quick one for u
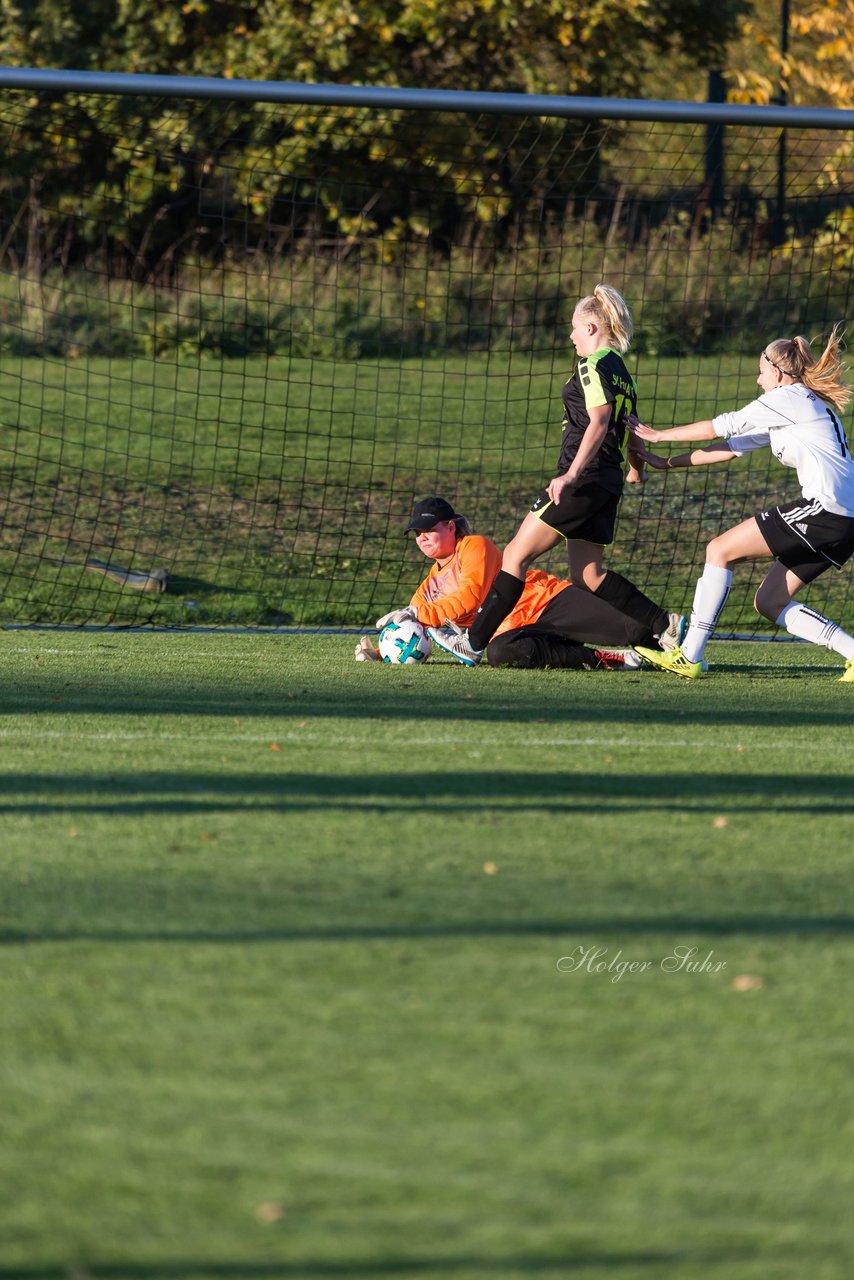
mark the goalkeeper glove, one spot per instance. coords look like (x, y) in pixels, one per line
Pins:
(396, 615)
(365, 651)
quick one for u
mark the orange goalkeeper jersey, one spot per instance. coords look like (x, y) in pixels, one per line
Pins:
(540, 589)
(454, 591)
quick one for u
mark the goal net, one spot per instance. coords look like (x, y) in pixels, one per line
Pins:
(238, 339)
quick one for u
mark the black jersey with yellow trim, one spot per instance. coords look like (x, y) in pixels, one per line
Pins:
(600, 378)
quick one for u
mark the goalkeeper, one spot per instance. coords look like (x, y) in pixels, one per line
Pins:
(552, 624)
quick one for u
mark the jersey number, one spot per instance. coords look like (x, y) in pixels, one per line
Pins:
(620, 403)
(840, 434)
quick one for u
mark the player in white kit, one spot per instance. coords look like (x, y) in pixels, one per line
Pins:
(797, 416)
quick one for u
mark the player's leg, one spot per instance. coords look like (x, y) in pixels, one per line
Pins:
(775, 601)
(806, 543)
(587, 541)
(538, 648)
(532, 539)
(584, 617)
(744, 541)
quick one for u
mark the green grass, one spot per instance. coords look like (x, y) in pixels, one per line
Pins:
(280, 980)
(273, 491)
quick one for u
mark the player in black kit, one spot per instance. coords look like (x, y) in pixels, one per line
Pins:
(580, 503)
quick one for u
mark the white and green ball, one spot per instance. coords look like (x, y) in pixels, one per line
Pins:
(402, 643)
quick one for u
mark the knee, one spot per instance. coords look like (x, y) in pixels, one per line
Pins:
(515, 560)
(590, 578)
(716, 553)
(506, 650)
(759, 603)
(768, 603)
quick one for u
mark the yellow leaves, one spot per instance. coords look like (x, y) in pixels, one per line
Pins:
(818, 69)
(833, 247)
(359, 225)
(751, 87)
(836, 242)
(833, 49)
(420, 226)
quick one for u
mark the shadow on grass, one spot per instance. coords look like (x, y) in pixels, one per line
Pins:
(534, 1263)
(468, 791)
(686, 928)
(438, 693)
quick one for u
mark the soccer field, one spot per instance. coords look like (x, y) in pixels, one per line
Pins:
(319, 969)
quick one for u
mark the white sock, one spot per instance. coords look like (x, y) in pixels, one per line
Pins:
(808, 625)
(710, 596)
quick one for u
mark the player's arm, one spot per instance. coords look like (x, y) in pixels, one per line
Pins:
(703, 430)
(591, 443)
(717, 452)
(479, 562)
(635, 469)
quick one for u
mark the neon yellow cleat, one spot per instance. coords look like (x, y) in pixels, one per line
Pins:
(673, 660)
(848, 673)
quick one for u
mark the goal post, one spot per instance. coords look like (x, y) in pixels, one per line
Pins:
(244, 326)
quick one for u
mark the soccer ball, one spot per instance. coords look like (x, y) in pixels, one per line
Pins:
(404, 642)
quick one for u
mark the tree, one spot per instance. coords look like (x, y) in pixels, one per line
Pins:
(141, 157)
(816, 70)
(531, 46)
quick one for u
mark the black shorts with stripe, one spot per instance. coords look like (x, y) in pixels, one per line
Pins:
(807, 539)
(588, 513)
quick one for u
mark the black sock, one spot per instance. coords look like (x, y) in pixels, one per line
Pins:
(621, 594)
(501, 599)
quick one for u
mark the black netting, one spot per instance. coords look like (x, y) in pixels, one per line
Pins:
(237, 342)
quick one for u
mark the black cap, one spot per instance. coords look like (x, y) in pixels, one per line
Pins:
(430, 511)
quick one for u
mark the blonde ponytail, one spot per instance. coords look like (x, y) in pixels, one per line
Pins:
(823, 375)
(611, 312)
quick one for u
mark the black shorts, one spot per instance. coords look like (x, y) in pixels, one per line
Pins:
(807, 539)
(588, 513)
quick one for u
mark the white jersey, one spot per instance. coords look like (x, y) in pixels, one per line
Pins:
(803, 432)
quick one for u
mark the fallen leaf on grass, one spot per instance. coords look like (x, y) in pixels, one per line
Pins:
(747, 982)
(270, 1211)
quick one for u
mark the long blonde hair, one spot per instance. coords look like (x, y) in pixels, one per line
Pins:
(611, 311)
(823, 375)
